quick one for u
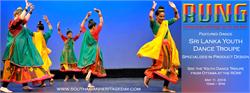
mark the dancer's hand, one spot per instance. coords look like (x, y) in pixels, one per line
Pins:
(84, 20)
(151, 13)
(175, 9)
(171, 4)
(88, 14)
(100, 15)
(58, 26)
(32, 7)
(27, 16)
(27, 3)
(46, 18)
(97, 10)
(154, 4)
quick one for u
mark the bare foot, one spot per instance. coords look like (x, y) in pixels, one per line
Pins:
(43, 85)
(51, 81)
(74, 77)
(27, 88)
(90, 85)
(66, 78)
(146, 81)
(5, 90)
(165, 89)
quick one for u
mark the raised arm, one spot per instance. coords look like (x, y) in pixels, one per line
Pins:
(100, 16)
(23, 14)
(84, 20)
(47, 35)
(27, 17)
(60, 33)
(47, 21)
(177, 16)
(151, 13)
(77, 36)
(59, 29)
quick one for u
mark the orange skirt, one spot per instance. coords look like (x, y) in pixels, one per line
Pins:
(96, 68)
(19, 75)
(162, 68)
(69, 68)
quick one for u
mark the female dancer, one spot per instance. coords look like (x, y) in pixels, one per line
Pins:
(68, 58)
(91, 60)
(22, 62)
(161, 49)
(40, 40)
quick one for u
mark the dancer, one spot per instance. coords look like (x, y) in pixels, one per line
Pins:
(161, 49)
(40, 40)
(22, 62)
(91, 60)
(68, 58)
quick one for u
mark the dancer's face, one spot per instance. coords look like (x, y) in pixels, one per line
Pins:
(160, 18)
(17, 14)
(94, 27)
(39, 29)
(69, 35)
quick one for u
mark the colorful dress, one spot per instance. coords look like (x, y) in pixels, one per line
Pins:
(40, 41)
(68, 58)
(22, 62)
(163, 51)
(91, 55)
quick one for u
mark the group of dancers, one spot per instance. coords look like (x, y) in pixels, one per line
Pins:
(26, 57)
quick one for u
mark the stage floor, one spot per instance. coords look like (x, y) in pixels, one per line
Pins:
(101, 85)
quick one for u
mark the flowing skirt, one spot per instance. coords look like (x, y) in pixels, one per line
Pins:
(65, 67)
(163, 68)
(96, 68)
(19, 75)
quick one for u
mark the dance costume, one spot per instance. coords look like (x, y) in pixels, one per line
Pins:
(40, 41)
(22, 62)
(68, 58)
(163, 51)
(91, 55)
